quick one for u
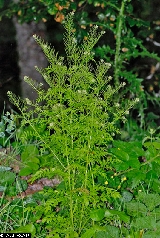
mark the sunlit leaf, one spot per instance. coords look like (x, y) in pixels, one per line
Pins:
(30, 228)
(97, 215)
(25, 171)
(89, 233)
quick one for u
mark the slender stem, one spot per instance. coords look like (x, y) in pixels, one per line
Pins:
(71, 212)
(117, 59)
(71, 178)
(143, 164)
(81, 219)
(88, 169)
(149, 161)
(83, 205)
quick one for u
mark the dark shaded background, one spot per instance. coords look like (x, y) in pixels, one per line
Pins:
(9, 70)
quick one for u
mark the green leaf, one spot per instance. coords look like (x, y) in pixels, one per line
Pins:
(134, 163)
(25, 171)
(150, 200)
(131, 21)
(133, 148)
(151, 152)
(101, 234)
(98, 214)
(121, 166)
(136, 234)
(126, 196)
(30, 228)
(61, 186)
(155, 230)
(136, 209)
(128, 152)
(144, 223)
(11, 191)
(112, 232)
(21, 185)
(119, 153)
(34, 160)
(155, 185)
(156, 214)
(7, 177)
(156, 144)
(29, 152)
(2, 188)
(129, 8)
(32, 166)
(31, 201)
(4, 168)
(136, 176)
(142, 23)
(151, 234)
(95, 230)
(122, 216)
(89, 233)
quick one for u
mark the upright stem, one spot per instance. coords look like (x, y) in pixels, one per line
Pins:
(83, 204)
(71, 182)
(117, 59)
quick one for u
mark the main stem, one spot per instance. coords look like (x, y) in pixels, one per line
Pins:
(117, 59)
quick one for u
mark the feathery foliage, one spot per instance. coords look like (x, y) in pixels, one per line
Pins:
(78, 114)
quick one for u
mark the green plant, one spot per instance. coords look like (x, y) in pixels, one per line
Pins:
(14, 217)
(79, 116)
(9, 184)
(7, 152)
(7, 129)
(12, 212)
(136, 216)
(135, 173)
(137, 162)
(144, 213)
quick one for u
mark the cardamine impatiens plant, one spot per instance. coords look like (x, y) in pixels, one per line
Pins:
(74, 121)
